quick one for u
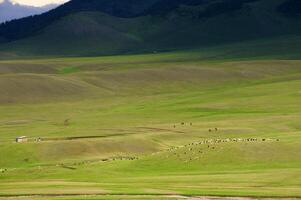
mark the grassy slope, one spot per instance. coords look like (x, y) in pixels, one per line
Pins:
(131, 103)
(79, 34)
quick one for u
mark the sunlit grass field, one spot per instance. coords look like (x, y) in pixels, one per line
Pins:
(151, 125)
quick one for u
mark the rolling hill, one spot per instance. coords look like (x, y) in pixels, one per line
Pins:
(211, 109)
(106, 27)
(139, 125)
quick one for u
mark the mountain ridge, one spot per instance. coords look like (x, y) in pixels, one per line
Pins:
(104, 27)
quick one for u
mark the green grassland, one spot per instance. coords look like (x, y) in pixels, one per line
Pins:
(136, 125)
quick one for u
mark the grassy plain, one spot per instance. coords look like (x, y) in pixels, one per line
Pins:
(122, 125)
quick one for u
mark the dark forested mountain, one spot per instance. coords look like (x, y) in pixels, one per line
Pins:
(290, 7)
(89, 27)
(9, 11)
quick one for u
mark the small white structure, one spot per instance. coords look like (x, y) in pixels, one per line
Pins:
(21, 139)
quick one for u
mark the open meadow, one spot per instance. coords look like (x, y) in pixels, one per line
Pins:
(154, 126)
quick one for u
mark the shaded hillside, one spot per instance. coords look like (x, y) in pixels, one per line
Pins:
(103, 27)
(125, 9)
(18, 29)
(290, 7)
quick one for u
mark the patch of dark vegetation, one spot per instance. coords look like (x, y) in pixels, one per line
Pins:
(207, 8)
(68, 167)
(290, 8)
(222, 7)
(165, 6)
(81, 137)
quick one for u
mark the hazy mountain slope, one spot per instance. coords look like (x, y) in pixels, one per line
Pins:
(107, 27)
(119, 8)
(10, 11)
(84, 33)
(31, 25)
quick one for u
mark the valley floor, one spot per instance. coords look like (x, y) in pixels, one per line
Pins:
(162, 126)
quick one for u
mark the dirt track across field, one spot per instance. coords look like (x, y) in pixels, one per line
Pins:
(136, 197)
